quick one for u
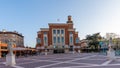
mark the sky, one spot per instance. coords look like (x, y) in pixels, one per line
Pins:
(89, 16)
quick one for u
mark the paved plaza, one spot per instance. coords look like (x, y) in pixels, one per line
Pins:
(82, 60)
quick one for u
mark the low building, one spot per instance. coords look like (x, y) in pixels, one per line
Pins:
(84, 43)
(58, 37)
(18, 51)
(4, 50)
(15, 36)
(112, 35)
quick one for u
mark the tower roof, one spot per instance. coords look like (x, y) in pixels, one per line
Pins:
(69, 19)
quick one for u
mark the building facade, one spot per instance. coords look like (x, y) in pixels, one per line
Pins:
(4, 50)
(15, 36)
(58, 36)
(112, 35)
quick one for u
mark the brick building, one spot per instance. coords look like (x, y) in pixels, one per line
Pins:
(17, 37)
(58, 37)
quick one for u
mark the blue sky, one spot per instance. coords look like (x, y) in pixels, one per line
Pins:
(89, 16)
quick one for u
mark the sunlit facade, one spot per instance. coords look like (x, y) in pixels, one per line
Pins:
(17, 38)
(58, 36)
(4, 50)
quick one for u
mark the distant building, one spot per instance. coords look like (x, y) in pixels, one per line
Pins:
(4, 50)
(58, 35)
(15, 36)
(84, 43)
(111, 35)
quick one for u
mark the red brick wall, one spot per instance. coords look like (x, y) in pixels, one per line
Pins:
(70, 26)
(76, 36)
(56, 27)
(64, 26)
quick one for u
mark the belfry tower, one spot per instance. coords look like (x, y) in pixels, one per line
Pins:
(70, 22)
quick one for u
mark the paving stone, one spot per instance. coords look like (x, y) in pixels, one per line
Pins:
(77, 60)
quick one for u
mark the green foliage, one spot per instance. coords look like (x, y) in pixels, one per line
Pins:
(94, 40)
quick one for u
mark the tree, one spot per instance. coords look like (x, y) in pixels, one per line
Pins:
(94, 40)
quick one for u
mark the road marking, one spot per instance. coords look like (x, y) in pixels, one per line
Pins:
(107, 62)
(88, 66)
(70, 61)
(3, 62)
(17, 66)
(27, 62)
(13, 66)
(61, 67)
(65, 62)
(81, 63)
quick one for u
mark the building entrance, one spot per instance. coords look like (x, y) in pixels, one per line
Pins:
(71, 48)
(58, 51)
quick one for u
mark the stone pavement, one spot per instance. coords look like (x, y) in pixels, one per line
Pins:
(82, 60)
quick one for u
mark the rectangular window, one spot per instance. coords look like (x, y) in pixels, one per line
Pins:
(38, 40)
(62, 31)
(54, 39)
(70, 32)
(13, 35)
(54, 31)
(45, 40)
(71, 39)
(77, 40)
(58, 31)
(58, 39)
(62, 39)
(45, 32)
